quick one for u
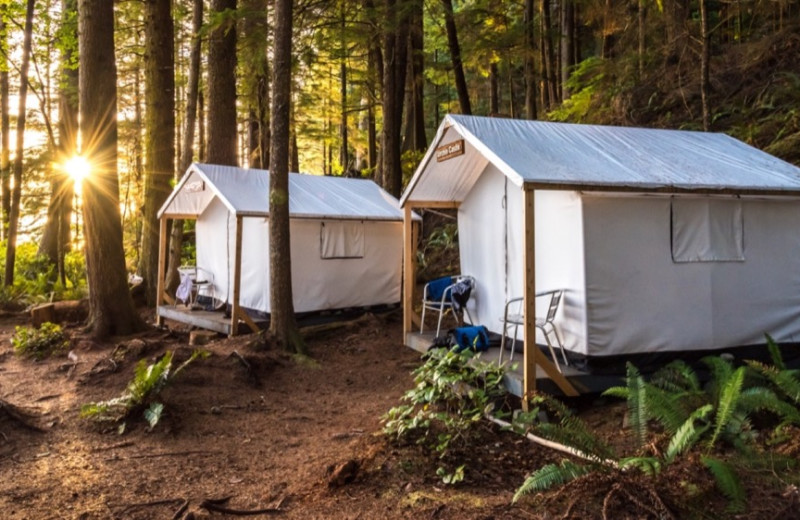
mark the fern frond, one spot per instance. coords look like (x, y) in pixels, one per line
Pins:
(721, 371)
(727, 482)
(729, 394)
(677, 376)
(637, 404)
(550, 475)
(775, 353)
(617, 391)
(786, 380)
(758, 398)
(670, 409)
(650, 466)
(687, 434)
(570, 430)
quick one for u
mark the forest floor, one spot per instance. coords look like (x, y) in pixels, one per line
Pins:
(296, 437)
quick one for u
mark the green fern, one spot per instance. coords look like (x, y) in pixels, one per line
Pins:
(721, 371)
(727, 482)
(677, 376)
(729, 393)
(551, 475)
(775, 353)
(687, 434)
(570, 430)
(785, 380)
(635, 393)
(650, 466)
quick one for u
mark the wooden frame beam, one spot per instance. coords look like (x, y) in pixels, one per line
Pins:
(532, 356)
(162, 268)
(453, 204)
(408, 270)
(237, 277)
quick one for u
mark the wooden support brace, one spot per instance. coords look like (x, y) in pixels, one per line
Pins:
(168, 298)
(247, 320)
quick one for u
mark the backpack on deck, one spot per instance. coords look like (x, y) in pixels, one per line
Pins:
(474, 337)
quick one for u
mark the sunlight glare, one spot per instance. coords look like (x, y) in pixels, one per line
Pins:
(78, 168)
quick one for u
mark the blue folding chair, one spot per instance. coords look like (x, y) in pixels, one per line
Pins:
(447, 294)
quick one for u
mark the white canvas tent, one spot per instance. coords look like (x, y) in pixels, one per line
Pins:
(346, 237)
(664, 241)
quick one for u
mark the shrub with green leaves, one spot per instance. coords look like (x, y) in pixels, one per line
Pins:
(47, 340)
(141, 393)
(452, 393)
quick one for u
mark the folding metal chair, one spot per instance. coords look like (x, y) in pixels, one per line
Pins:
(438, 295)
(514, 316)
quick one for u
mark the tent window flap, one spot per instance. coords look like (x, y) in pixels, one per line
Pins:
(707, 230)
(341, 240)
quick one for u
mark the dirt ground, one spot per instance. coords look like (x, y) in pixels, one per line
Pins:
(297, 438)
(268, 437)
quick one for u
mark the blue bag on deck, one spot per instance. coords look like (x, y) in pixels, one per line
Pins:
(474, 337)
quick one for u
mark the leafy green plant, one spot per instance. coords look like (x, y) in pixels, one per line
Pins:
(141, 393)
(40, 343)
(452, 393)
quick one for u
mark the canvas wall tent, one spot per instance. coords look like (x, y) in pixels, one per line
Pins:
(665, 241)
(346, 237)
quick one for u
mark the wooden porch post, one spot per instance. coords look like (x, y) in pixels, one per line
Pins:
(162, 255)
(533, 357)
(408, 269)
(529, 284)
(237, 277)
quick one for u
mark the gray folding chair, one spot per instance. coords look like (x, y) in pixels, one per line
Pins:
(514, 316)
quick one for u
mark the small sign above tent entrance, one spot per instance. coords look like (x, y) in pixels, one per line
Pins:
(450, 150)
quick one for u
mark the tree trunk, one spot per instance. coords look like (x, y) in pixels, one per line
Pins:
(5, 125)
(455, 56)
(159, 140)
(494, 90)
(282, 325)
(415, 138)
(705, 56)
(222, 128)
(256, 70)
(111, 309)
(375, 87)
(56, 235)
(187, 149)
(530, 62)
(642, 16)
(394, 69)
(567, 41)
(344, 153)
(549, 54)
(16, 194)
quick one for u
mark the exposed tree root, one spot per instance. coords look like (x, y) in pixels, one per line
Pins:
(20, 416)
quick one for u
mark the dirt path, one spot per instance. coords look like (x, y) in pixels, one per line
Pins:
(265, 443)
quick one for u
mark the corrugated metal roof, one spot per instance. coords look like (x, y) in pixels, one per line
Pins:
(246, 192)
(563, 155)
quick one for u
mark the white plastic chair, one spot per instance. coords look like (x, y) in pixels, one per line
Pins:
(202, 282)
(514, 316)
(437, 295)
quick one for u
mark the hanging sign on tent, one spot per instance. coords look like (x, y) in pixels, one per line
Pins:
(195, 187)
(450, 150)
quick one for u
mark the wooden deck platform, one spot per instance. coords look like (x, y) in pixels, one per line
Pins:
(584, 382)
(209, 320)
